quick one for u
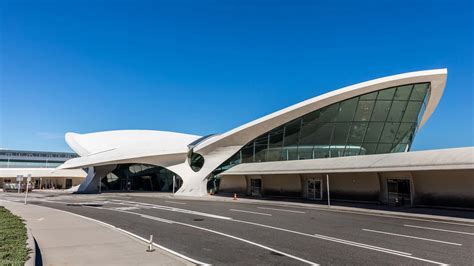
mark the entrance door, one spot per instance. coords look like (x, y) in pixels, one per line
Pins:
(314, 191)
(256, 187)
(399, 193)
(68, 183)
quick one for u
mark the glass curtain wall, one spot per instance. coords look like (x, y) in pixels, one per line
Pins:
(140, 177)
(384, 121)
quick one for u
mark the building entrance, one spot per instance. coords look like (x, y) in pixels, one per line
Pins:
(256, 187)
(313, 189)
(399, 192)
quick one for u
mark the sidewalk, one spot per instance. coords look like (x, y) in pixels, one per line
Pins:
(67, 239)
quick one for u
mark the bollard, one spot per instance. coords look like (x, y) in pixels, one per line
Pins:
(235, 196)
(150, 245)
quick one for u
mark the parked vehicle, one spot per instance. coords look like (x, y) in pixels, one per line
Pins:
(13, 187)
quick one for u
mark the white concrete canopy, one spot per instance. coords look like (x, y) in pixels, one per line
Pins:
(41, 172)
(445, 159)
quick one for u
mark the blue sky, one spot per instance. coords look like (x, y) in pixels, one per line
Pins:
(205, 67)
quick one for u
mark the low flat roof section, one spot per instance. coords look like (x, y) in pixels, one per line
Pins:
(444, 159)
(41, 172)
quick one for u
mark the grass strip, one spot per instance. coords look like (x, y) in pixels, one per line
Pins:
(13, 239)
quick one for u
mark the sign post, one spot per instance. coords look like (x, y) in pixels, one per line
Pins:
(174, 182)
(327, 185)
(19, 178)
(28, 180)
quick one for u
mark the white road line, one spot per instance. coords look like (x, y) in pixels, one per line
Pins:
(174, 209)
(282, 210)
(351, 243)
(259, 213)
(378, 215)
(113, 227)
(414, 237)
(219, 233)
(175, 202)
(438, 229)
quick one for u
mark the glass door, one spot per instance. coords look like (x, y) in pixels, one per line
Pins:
(313, 189)
(256, 187)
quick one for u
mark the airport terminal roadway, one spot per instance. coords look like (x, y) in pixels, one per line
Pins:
(216, 232)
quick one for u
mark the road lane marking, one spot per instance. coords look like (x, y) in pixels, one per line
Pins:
(175, 202)
(439, 229)
(113, 227)
(414, 237)
(173, 209)
(342, 241)
(259, 213)
(282, 210)
(218, 233)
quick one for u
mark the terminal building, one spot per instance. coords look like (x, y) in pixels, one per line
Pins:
(354, 141)
(41, 166)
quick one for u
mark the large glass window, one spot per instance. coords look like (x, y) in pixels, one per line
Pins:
(378, 122)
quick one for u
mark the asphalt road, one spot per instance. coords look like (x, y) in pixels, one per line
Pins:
(217, 232)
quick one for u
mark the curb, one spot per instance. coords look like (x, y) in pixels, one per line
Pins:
(32, 247)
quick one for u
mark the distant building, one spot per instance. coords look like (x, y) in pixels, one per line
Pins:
(41, 166)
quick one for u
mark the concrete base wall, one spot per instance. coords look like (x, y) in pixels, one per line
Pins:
(448, 188)
(444, 188)
(233, 184)
(281, 185)
(354, 186)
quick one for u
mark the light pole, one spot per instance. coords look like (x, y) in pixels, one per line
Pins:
(327, 186)
(27, 185)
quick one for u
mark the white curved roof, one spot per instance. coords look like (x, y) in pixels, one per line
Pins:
(114, 146)
(168, 148)
(245, 133)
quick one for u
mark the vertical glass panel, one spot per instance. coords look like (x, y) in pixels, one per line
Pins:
(399, 148)
(247, 153)
(290, 143)
(339, 138)
(419, 92)
(336, 151)
(381, 110)
(313, 116)
(340, 133)
(403, 92)
(319, 134)
(357, 132)
(369, 96)
(386, 94)
(364, 110)
(261, 147)
(352, 150)
(305, 152)
(404, 132)
(384, 148)
(275, 144)
(373, 132)
(396, 111)
(388, 133)
(412, 111)
(368, 148)
(329, 114)
(321, 151)
(347, 110)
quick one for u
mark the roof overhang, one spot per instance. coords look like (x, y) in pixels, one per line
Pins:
(41, 172)
(446, 159)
